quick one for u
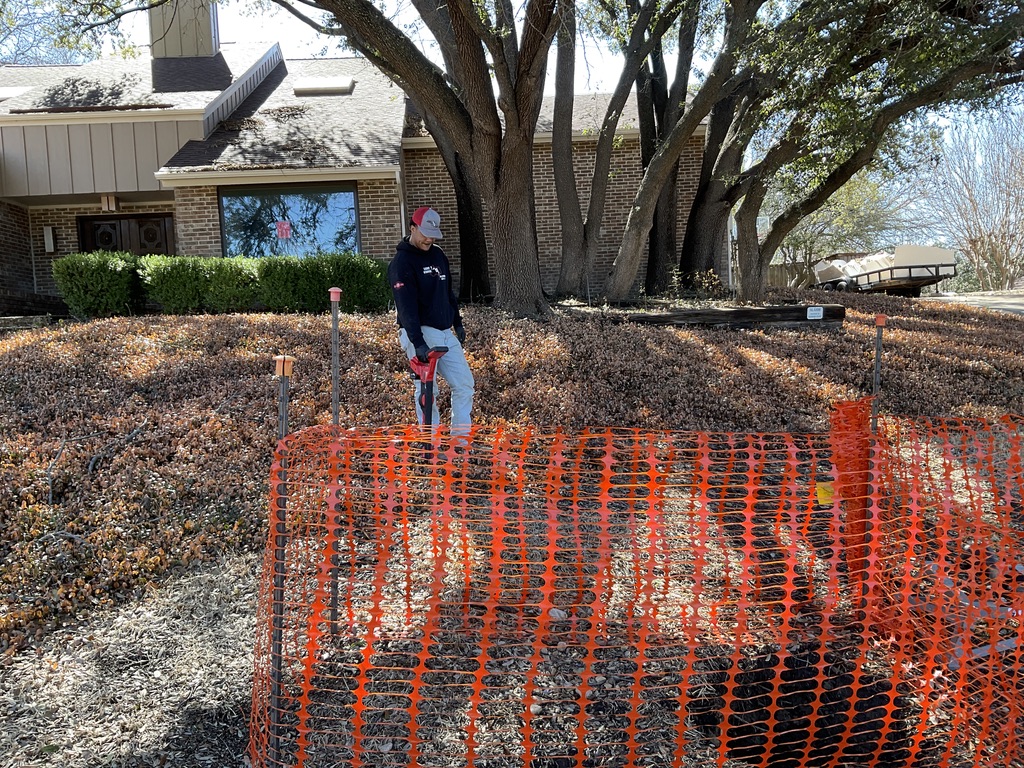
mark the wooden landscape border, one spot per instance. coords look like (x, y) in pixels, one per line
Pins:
(808, 316)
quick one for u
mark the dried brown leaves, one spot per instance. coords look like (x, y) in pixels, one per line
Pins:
(133, 448)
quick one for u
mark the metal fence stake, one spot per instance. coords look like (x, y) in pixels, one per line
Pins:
(283, 369)
(283, 365)
(335, 387)
(877, 382)
(335, 299)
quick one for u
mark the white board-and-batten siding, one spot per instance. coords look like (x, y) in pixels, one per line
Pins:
(84, 158)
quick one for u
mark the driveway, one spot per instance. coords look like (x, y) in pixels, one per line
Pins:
(1003, 301)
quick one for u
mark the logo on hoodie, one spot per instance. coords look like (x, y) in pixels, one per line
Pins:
(431, 269)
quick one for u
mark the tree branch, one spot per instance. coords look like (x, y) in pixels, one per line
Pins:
(378, 39)
(883, 120)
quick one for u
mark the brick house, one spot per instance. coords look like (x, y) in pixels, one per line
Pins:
(219, 150)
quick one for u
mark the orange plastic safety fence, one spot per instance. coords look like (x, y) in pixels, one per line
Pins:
(630, 598)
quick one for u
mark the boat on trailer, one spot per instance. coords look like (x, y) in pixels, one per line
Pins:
(904, 272)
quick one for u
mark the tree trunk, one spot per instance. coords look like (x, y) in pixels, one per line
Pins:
(705, 241)
(474, 281)
(511, 205)
(641, 214)
(652, 98)
(659, 109)
(753, 268)
(661, 257)
(642, 41)
(572, 271)
(708, 222)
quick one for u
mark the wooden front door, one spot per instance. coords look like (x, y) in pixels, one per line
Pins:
(140, 234)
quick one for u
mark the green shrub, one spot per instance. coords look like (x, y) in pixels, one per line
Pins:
(363, 281)
(231, 284)
(99, 284)
(313, 286)
(176, 283)
(279, 278)
(293, 284)
(102, 284)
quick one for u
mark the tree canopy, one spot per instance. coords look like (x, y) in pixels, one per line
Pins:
(813, 89)
(871, 212)
(31, 31)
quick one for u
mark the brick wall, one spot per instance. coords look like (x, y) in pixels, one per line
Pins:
(197, 221)
(19, 270)
(427, 183)
(16, 268)
(380, 217)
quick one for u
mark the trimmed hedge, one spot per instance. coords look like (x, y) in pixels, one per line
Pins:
(363, 281)
(231, 284)
(177, 283)
(292, 284)
(103, 284)
(100, 284)
(278, 278)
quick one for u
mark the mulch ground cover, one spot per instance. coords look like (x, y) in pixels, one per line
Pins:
(134, 456)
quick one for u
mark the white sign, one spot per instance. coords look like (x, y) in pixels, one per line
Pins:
(815, 313)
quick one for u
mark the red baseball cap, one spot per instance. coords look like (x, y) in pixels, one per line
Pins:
(428, 221)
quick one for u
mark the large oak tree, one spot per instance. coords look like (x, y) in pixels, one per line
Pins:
(482, 107)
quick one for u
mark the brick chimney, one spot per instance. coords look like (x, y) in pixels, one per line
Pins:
(184, 29)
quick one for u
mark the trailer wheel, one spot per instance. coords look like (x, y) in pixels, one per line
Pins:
(842, 285)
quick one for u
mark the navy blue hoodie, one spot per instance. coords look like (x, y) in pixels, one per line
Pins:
(421, 283)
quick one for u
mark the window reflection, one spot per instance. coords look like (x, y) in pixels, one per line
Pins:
(295, 221)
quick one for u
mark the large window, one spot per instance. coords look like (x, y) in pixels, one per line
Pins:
(294, 220)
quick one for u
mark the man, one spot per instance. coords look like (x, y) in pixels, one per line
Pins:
(428, 313)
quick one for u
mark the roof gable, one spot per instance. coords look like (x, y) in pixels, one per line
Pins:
(281, 125)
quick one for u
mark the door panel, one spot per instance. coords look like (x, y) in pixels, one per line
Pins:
(106, 236)
(140, 234)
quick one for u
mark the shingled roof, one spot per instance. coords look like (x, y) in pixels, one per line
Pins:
(588, 112)
(276, 129)
(128, 83)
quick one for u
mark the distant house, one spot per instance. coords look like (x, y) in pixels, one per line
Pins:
(220, 150)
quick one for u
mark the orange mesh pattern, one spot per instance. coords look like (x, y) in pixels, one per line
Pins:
(631, 598)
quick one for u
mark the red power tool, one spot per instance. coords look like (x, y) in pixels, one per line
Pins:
(425, 373)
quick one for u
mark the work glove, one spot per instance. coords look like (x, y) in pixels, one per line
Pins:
(422, 353)
(460, 334)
